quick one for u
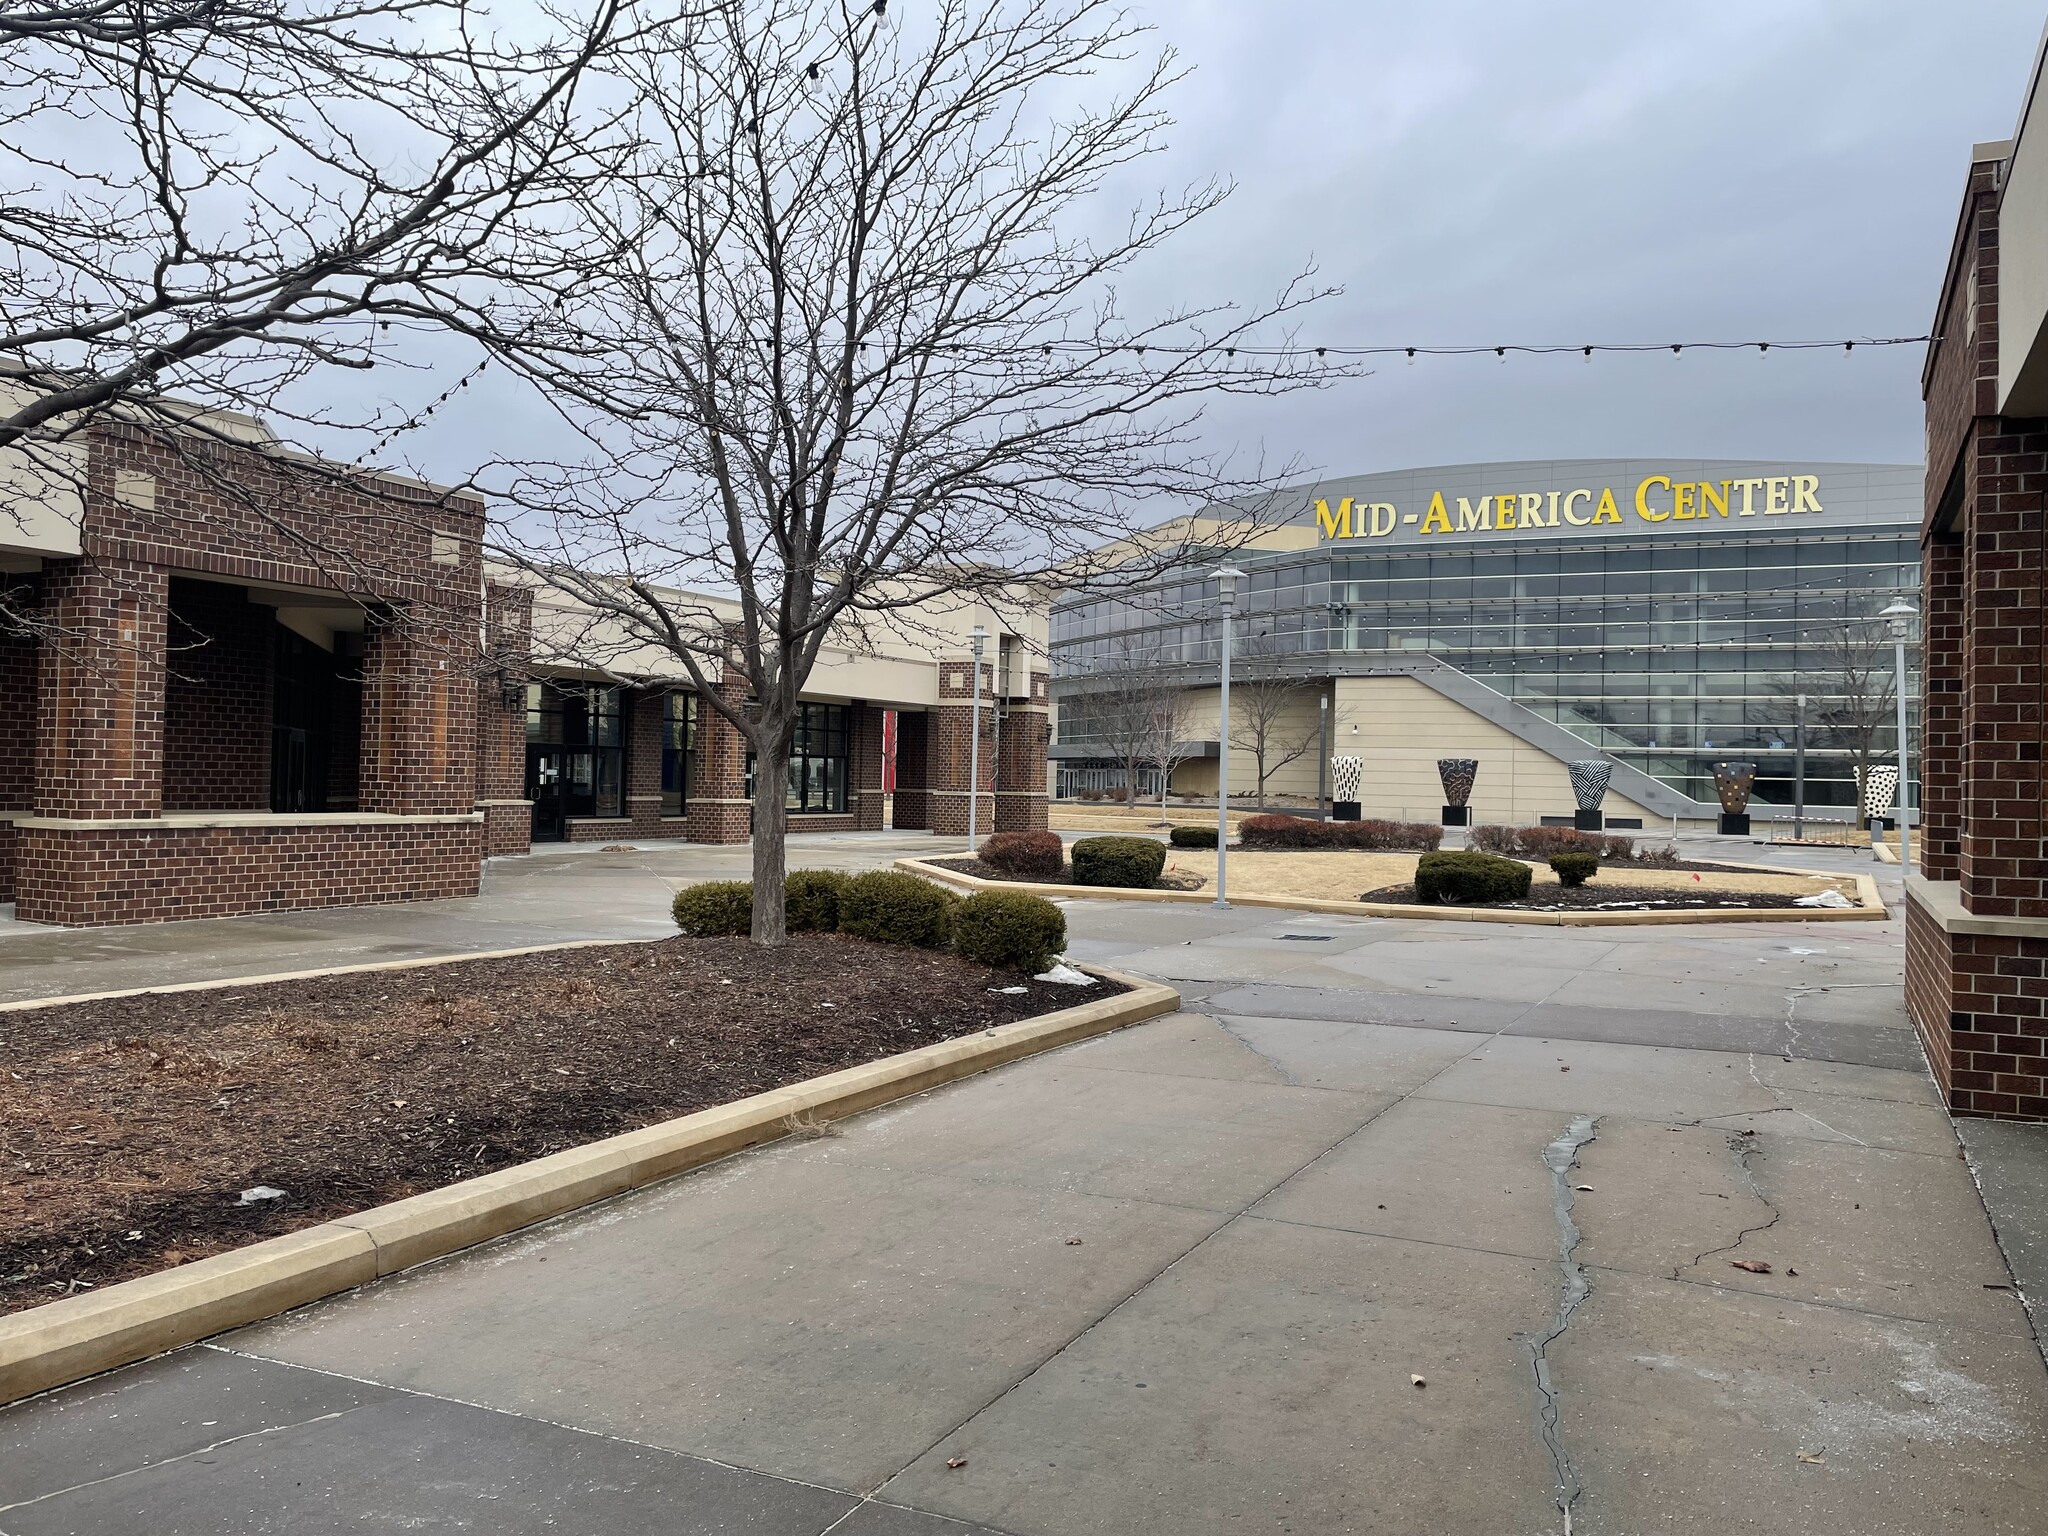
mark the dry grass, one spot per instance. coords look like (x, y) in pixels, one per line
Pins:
(1346, 876)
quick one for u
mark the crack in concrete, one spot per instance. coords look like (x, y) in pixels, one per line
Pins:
(1574, 1286)
(1747, 1147)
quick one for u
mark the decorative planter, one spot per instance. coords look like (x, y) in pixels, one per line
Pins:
(1880, 791)
(1589, 778)
(1732, 782)
(1457, 774)
(1346, 773)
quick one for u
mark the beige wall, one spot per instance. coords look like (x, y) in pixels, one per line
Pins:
(1401, 727)
(1297, 721)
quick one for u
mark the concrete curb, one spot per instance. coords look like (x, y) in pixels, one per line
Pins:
(65, 1341)
(1871, 908)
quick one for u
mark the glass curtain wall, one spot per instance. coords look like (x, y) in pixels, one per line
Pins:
(1672, 656)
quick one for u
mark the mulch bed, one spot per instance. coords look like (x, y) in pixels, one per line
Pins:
(129, 1127)
(1601, 895)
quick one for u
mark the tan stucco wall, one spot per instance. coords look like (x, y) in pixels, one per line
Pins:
(1401, 727)
(1296, 722)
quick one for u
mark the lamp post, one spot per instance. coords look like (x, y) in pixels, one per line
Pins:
(1901, 615)
(977, 638)
(1323, 757)
(1799, 773)
(1226, 599)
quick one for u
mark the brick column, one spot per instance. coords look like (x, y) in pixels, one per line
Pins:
(1021, 802)
(419, 719)
(864, 791)
(718, 807)
(912, 807)
(2001, 866)
(1944, 741)
(501, 722)
(642, 709)
(947, 754)
(100, 691)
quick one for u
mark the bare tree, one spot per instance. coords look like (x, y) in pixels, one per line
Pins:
(1170, 743)
(1851, 687)
(1264, 712)
(204, 201)
(840, 352)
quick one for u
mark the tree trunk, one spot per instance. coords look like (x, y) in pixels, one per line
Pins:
(771, 833)
(1260, 799)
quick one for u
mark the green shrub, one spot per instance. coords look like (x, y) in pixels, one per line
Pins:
(1034, 855)
(1574, 868)
(1192, 837)
(893, 907)
(810, 900)
(1132, 862)
(714, 908)
(1470, 879)
(1010, 929)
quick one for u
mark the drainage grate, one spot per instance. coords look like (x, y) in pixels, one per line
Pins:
(1309, 938)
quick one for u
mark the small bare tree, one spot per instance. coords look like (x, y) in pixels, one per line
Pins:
(1265, 712)
(1852, 690)
(841, 354)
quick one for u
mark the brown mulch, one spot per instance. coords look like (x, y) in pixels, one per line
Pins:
(129, 1127)
(968, 865)
(1600, 895)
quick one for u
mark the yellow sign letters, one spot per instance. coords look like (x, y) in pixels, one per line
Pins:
(1658, 500)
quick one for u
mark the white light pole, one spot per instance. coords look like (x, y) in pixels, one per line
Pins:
(1226, 598)
(1901, 615)
(977, 637)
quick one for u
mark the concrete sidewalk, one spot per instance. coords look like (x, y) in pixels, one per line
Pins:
(1181, 1279)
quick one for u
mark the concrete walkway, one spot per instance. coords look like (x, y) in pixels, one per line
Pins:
(1182, 1279)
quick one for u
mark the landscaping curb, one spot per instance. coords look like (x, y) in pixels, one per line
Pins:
(65, 1341)
(1870, 908)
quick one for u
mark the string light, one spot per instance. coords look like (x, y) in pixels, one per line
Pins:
(1501, 350)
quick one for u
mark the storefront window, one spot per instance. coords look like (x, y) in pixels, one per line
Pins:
(817, 761)
(678, 751)
(575, 748)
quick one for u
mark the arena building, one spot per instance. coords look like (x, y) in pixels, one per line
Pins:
(1665, 614)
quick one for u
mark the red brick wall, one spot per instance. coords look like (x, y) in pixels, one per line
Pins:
(910, 808)
(1021, 801)
(100, 690)
(1977, 1001)
(1930, 991)
(217, 709)
(18, 662)
(1944, 726)
(81, 875)
(718, 810)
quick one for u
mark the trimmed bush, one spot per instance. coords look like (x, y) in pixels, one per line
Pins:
(1470, 879)
(1292, 832)
(714, 908)
(1131, 862)
(1395, 836)
(1574, 868)
(810, 900)
(1373, 836)
(1192, 837)
(1011, 930)
(1545, 842)
(893, 907)
(1034, 855)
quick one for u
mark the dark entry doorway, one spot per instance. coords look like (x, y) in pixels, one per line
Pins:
(301, 709)
(544, 787)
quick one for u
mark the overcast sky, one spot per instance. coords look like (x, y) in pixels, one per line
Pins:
(1481, 171)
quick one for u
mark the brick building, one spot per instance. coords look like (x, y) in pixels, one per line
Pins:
(1977, 905)
(238, 681)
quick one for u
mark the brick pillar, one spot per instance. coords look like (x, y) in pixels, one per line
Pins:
(419, 722)
(2000, 864)
(100, 691)
(1944, 740)
(718, 809)
(864, 791)
(1021, 802)
(642, 709)
(912, 807)
(947, 755)
(19, 660)
(501, 722)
